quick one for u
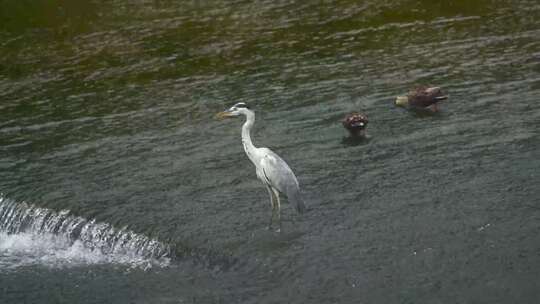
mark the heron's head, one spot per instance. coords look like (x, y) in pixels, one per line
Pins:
(238, 109)
(402, 101)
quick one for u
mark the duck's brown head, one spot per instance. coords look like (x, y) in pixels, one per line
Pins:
(421, 97)
(355, 123)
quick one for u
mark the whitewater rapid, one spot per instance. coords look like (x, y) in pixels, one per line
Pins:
(31, 235)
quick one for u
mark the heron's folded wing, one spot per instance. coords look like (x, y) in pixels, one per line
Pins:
(278, 173)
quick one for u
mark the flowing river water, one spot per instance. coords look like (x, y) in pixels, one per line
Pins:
(119, 186)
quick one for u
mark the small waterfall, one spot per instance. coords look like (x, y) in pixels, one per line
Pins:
(32, 233)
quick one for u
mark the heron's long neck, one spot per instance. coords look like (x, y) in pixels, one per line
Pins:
(246, 136)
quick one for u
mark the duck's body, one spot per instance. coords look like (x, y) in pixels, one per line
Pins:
(355, 123)
(422, 98)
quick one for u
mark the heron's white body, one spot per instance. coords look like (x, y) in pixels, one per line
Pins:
(273, 171)
(265, 160)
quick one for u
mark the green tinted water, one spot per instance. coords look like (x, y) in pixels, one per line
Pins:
(107, 110)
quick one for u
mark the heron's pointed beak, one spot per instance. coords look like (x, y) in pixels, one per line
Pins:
(223, 115)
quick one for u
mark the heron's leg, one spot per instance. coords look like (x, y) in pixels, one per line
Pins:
(272, 204)
(278, 207)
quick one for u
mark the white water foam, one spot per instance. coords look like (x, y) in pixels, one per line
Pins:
(30, 235)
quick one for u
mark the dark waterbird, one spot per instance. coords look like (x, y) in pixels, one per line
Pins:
(422, 98)
(356, 124)
(273, 171)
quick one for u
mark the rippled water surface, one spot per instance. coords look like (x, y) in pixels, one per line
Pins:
(107, 121)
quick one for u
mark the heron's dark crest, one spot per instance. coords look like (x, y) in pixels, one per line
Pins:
(241, 105)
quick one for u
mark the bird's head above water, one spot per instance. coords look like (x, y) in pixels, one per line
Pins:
(238, 109)
(355, 123)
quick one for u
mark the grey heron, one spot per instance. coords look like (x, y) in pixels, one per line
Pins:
(273, 171)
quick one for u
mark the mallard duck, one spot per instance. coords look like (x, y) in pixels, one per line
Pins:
(422, 97)
(355, 123)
